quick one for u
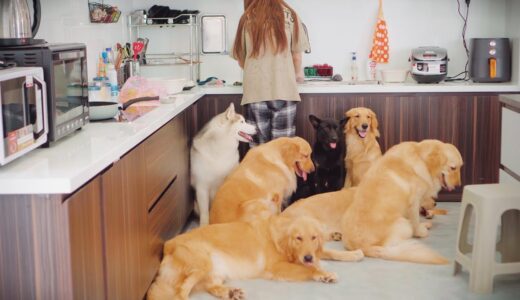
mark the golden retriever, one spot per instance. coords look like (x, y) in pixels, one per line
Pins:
(277, 248)
(361, 133)
(266, 176)
(384, 214)
(326, 208)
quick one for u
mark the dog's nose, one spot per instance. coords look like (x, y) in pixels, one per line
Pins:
(365, 126)
(307, 258)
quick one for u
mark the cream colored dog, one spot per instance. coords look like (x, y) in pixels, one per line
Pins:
(384, 214)
(265, 177)
(279, 248)
(361, 133)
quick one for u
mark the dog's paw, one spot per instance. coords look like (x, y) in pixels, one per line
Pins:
(428, 225)
(326, 277)
(336, 236)
(357, 255)
(235, 294)
(421, 231)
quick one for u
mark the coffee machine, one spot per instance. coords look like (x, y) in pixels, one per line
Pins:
(15, 23)
(490, 60)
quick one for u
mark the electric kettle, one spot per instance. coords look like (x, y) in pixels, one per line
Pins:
(15, 22)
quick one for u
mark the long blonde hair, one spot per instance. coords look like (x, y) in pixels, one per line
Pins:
(265, 22)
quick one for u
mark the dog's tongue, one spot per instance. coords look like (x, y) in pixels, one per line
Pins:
(245, 135)
(362, 134)
(304, 176)
(332, 145)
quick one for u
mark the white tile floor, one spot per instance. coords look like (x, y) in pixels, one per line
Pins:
(380, 279)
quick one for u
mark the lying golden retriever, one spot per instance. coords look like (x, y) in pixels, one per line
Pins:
(265, 177)
(326, 208)
(361, 133)
(384, 214)
(277, 248)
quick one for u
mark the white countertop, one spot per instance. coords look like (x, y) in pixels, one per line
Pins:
(73, 161)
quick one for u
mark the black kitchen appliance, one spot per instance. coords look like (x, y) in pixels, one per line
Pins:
(15, 22)
(65, 72)
(490, 60)
(429, 64)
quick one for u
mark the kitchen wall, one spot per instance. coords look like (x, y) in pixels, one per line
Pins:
(68, 21)
(513, 24)
(336, 28)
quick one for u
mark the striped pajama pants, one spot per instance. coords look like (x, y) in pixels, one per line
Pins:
(273, 119)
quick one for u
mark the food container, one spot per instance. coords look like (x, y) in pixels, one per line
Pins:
(170, 85)
(391, 76)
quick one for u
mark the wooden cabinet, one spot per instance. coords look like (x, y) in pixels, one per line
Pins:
(469, 121)
(105, 240)
(51, 246)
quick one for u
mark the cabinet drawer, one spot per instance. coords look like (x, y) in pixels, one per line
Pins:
(161, 159)
(167, 216)
(509, 156)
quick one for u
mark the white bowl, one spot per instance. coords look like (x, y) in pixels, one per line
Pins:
(394, 75)
(170, 85)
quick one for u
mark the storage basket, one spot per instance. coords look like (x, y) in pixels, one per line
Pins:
(103, 13)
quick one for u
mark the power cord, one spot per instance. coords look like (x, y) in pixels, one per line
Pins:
(465, 19)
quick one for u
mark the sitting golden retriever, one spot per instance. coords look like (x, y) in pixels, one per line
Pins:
(361, 133)
(278, 248)
(326, 208)
(265, 177)
(384, 214)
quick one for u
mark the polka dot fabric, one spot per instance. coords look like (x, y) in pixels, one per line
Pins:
(380, 51)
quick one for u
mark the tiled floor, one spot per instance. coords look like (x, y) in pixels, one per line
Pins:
(380, 279)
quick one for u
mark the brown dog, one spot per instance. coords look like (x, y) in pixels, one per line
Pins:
(278, 248)
(361, 133)
(266, 176)
(384, 214)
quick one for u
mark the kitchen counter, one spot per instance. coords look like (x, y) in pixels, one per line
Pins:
(512, 100)
(73, 161)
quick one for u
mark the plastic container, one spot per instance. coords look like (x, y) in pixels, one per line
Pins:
(391, 76)
(94, 93)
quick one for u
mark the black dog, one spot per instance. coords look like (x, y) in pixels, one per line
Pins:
(328, 155)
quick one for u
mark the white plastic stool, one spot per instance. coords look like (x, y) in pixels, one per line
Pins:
(494, 205)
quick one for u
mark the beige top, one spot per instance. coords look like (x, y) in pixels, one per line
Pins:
(271, 76)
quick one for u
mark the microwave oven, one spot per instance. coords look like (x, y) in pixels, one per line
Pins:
(23, 112)
(65, 72)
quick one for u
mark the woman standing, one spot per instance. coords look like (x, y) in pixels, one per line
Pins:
(269, 43)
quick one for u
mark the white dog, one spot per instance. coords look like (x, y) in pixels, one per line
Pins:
(214, 154)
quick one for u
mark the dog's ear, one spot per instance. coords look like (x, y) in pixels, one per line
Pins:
(230, 111)
(348, 124)
(290, 150)
(315, 121)
(342, 123)
(279, 230)
(435, 159)
(375, 124)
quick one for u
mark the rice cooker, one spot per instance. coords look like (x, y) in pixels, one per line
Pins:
(429, 64)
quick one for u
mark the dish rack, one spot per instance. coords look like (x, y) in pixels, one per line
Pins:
(137, 21)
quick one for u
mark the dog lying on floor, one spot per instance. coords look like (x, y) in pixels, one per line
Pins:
(328, 154)
(265, 177)
(214, 154)
(384, 214)
(361, 133)
(278, 248)
(326, 208)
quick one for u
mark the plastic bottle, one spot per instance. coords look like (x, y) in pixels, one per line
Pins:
(371, 69)
(353, 68)
(112, 74)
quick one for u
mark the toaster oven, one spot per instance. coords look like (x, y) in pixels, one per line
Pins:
(23, 112)
(65, 72)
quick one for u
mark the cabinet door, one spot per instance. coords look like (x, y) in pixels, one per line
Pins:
(86, 242)
(128, 262)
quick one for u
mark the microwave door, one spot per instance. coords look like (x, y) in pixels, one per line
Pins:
(41, 116)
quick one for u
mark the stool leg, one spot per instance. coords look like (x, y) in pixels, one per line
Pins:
(509, 245)
(464, 247)
(484, 250)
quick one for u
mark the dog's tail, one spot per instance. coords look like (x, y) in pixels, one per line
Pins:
(407, 250)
